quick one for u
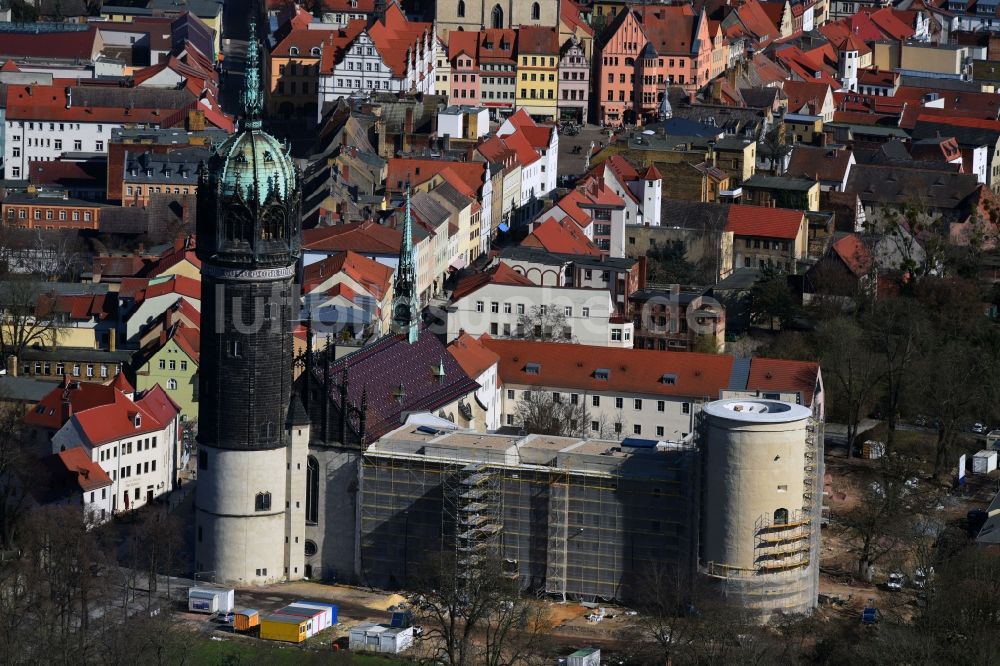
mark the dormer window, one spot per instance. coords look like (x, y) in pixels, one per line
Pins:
(293, 51)
(138, 421)
(315, 51)
(167, 172)
(669, 379)
(533, 368)
(602, 374)
(149, 173)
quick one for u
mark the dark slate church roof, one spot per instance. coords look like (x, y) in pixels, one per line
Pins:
(383, 366)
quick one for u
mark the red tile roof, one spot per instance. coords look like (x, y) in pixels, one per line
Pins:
(69, 473)
(764, 222)
(403, 170)
(188, 339)
(499, 274)
(48, 413)
(474, 357)
(394, 37)
(75, 45)
(460, 41)
(854, 254)
(361, 237)
(569, 13)
(806, 94)
(755, 19)
(696, 375)
(779, 375)
(535, 39)
(117, 420)
(376, 278)
(562, 237)
(572, 366)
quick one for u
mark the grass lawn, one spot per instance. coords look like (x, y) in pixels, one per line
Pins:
(247, 651)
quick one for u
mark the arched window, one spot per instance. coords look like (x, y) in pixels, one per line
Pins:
(237, 225)
(262, 502)
(315, 51)
(312, 490)
(536, 11)
(461, 8)
(781, 517)
(293, 51)
(171, 384)
(496, 19)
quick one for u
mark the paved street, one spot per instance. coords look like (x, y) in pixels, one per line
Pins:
(572, 164)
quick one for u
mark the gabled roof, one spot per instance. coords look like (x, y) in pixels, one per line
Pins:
(78, 307)
(48, 413)
(569, 14)
(376, 278)
(394, 37)
(77, 45)
(695, 375)
(403, 170)
(538, 40)
(499, 274)
(68, 474)
(561, 237)
(461, 42)
(828, 164)
(855, 254)
(756, 21)
(806, 95)
(474, 357)
(366, 238)
(764, 222)
(389, 364)
(116, 420)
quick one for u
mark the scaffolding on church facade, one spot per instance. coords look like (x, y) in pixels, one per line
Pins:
(569, 519)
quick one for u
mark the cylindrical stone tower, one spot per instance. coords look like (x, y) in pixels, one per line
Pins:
(249, 243)
(760, 528)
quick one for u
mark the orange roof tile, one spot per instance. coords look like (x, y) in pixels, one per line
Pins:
(764, 222)
(499, 274)
(561, 237)
(854, 254)
(474, 357)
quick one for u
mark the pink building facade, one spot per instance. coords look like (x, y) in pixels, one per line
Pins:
(651, 46)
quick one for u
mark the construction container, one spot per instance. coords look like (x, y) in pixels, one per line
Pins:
(288, 628)
(984, 462)
(245, 619)
(993, 439)
(311, 616)
(380, 638)
(210, 600)
(872, 450)
(329, 610)
(584, 657)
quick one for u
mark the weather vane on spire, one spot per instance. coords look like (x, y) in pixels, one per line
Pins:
(252, 97)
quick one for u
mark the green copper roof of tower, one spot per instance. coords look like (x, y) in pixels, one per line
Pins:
(254, 161)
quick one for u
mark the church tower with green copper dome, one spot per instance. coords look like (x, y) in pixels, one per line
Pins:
(252, 445)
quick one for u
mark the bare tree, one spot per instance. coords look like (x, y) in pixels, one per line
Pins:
(774, 148)
(16, 474)
(26, 315)
(851, 370)
(543, 322)
(473, 613)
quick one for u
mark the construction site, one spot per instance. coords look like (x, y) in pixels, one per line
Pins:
(589, 520)
(572, 518)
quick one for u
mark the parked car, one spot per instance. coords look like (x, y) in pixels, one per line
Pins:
(895, 581)
(920, 577)
(978, 428)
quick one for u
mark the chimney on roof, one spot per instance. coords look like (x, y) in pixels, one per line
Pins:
(29, 91)
(112, 340)
(12, 365)
(66, 411)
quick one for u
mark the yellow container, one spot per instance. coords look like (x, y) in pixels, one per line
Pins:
(283, 628)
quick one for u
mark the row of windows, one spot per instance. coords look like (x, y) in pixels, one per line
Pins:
(62, 214)
(51, 126)
(537, 94)
(140, 445)
(508, 307)
(766, 244)
(293, 88)
(356, 83)
(55, 144)
(574, 76)
(137, 191)
(574, 398)
(541, 77)
(172, 365)
(140, 468)
(45, 368)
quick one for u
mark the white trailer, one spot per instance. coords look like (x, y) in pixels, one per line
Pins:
(584, 657)
(211, 600)
(984, 462)
(380, 638)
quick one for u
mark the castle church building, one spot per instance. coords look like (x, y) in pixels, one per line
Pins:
(249, 502)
